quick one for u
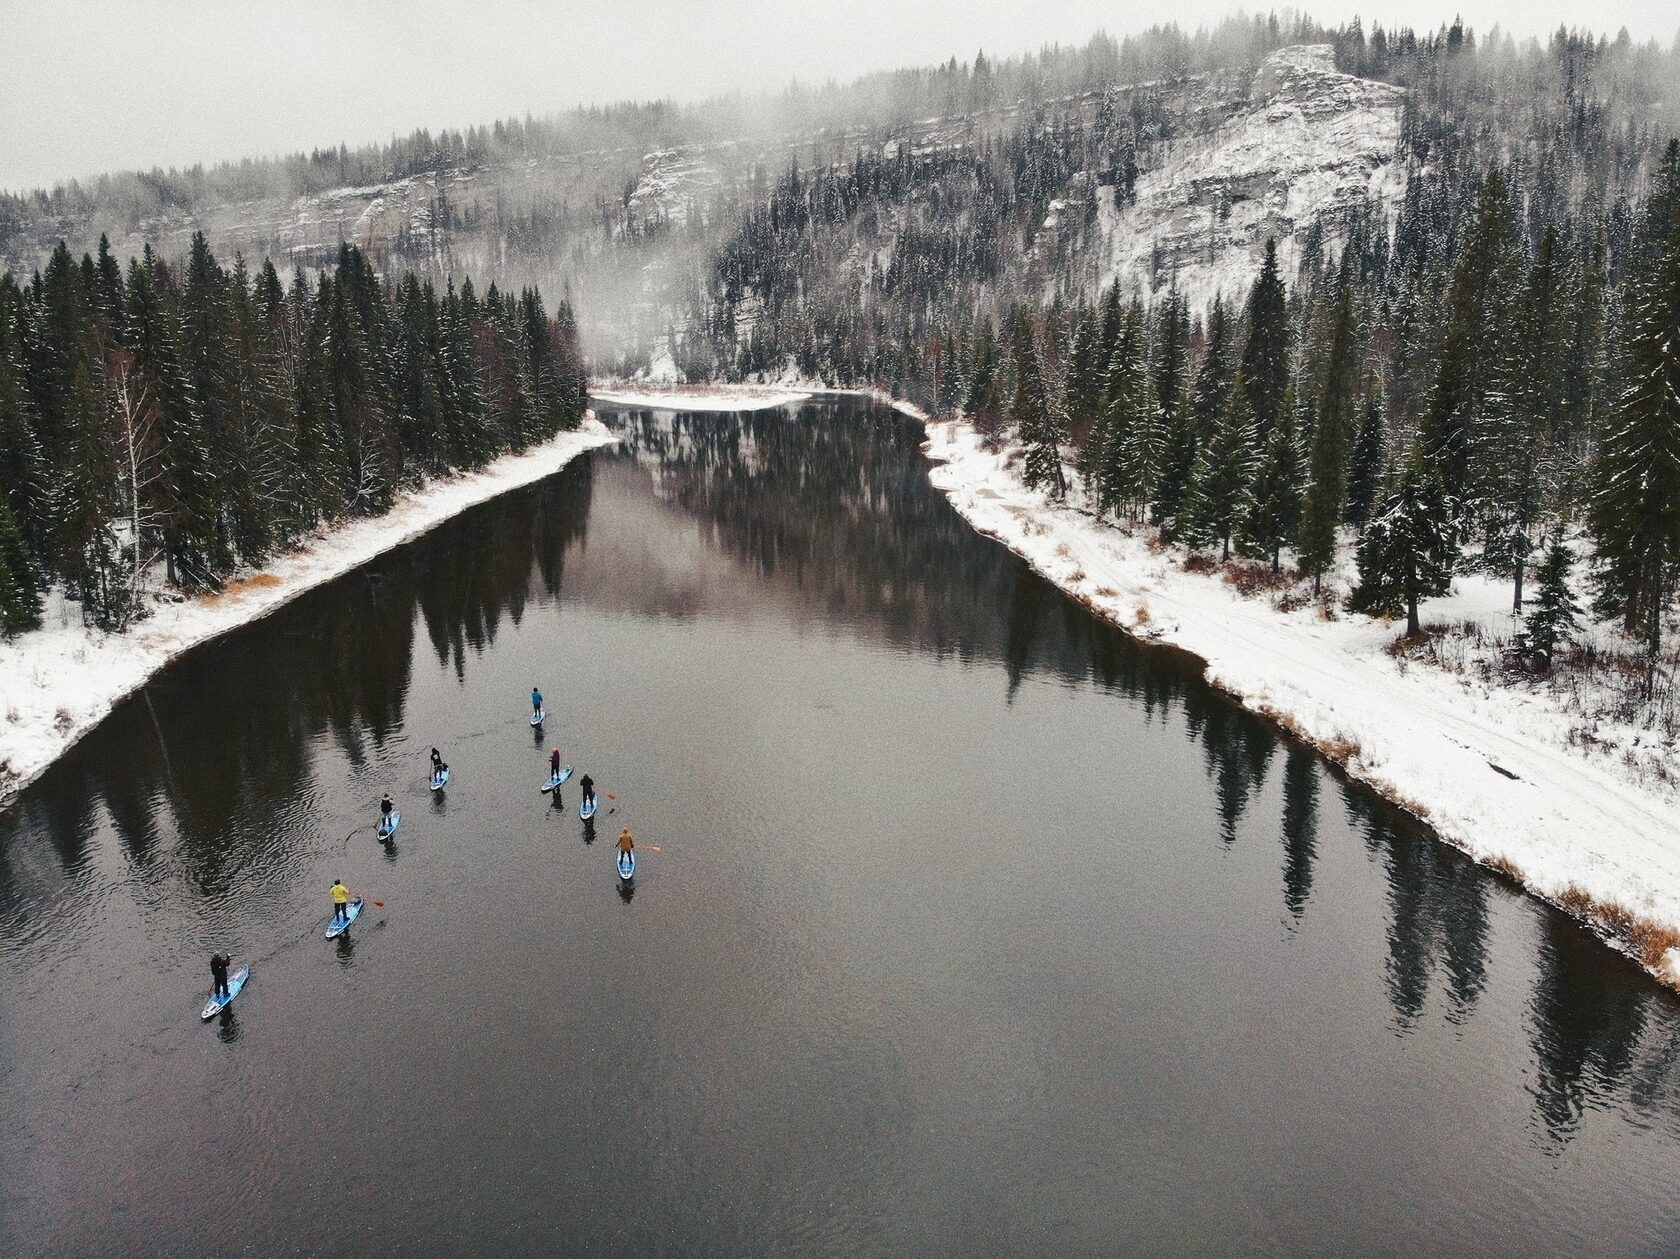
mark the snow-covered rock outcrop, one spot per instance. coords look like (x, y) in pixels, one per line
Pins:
(1311, 144)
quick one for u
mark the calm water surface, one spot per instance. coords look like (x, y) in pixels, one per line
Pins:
(972, 927)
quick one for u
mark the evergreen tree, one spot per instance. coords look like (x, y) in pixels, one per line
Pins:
(1555, 617)
(1408, 552)
(1334, 424)
(1222, 482)
(1265, 358)
(20, 596)
(1366, 463)
(1037, 426)
(88, 557)
(1213, 376)
(1475, 336)
(185, 505)
(1322, 508)
(1276, 509)
(1635, 514)
(1128, 440)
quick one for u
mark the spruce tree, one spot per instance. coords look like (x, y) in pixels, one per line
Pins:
(1554, 618)
(1635, 513)
(1030, 411)
(1334, 421)
(1128, 440)
(1365, 464)
(20, 595)
(1276, 509)
(1213, 376)
(1322, 507)
(1265, 358)
(184, 491)
(1478, 307)
(1408, 552)
(85, 506)
(1222, 481)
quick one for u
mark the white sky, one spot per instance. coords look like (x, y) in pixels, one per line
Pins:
(92, 85)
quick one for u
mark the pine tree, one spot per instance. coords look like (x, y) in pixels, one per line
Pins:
(1554, 618)
(1276, 509)
(1222, 481)
(1265, 358)
(1409, 551)
(1635, 513)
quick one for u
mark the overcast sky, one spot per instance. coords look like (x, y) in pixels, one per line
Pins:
(92, 85)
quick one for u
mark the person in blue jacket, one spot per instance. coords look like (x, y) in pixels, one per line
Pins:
(536, 702)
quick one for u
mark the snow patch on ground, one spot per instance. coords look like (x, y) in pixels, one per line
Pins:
(58, 682)
(1491, 768)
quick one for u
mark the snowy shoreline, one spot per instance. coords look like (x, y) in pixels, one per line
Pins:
(1488, 769)
(58, 682)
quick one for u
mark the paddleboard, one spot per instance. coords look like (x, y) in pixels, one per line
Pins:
(388, 828)
(236, 981)
(537, 718)
(586, 810)
(439, 780)
(627, 865)
(558, 780)
(338, 926)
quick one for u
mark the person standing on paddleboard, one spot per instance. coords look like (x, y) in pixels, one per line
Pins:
(586, 784)
(341, 900)
(626, 841)
(437, 765)
(536, 702)
(219, 963)
(554, 763)
(385, 807)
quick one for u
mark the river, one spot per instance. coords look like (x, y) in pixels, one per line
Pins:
(964, 923)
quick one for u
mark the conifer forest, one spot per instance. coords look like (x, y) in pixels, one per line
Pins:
(1470, 365)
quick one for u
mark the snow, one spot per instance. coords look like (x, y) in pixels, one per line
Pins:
(1491, 769)
(1311, 143)
(58, 682)
(700, 397)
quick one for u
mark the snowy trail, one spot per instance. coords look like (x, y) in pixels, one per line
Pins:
(60, 681)
(1548, 815)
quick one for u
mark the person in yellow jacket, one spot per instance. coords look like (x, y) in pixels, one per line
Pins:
(626, 841)
(341, 900)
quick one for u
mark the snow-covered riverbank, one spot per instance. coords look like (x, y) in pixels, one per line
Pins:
(1490, 769)
(58, 682)
(670, 397)
(1494, 770)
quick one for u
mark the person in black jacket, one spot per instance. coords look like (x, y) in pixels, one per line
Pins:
(218, 971)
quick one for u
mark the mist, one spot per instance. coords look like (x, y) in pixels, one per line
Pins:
(93, 87)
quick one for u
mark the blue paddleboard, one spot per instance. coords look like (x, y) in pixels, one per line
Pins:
(388, 828)
(537, 718)
(437, 782)
(338, 926)
(627, 865)
(586, 810)
(236, 981)
(557, 780)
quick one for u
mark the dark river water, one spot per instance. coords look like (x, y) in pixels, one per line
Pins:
(963, 923)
